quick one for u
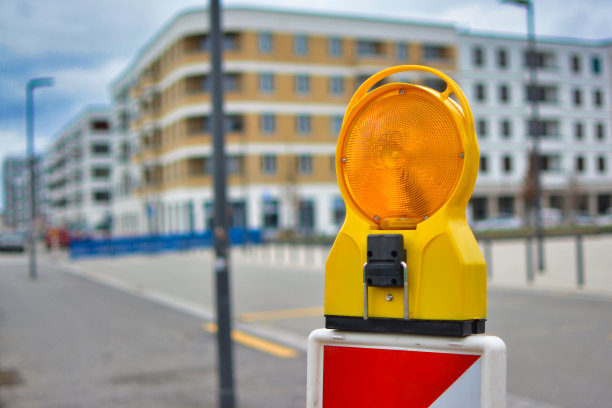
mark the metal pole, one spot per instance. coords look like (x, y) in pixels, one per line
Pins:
(488, 258)
(32, 174)
(533, 81)
(529, 261)
(579, 261)
(30, 86)
(224, 342)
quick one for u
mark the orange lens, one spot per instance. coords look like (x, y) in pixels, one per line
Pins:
(402, 156)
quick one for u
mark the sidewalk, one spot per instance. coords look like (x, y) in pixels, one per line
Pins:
(507, 266)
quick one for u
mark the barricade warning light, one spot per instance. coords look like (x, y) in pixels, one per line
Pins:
(405, 259)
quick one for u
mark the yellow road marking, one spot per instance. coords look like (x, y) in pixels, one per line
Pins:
(256, 342)
(282, 314)
(610, 336)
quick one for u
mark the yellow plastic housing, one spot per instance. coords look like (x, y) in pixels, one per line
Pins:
(406, 161)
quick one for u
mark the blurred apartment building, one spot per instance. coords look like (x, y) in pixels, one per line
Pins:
(575, 121)
(288, 79)
(15, 186)
(78, 168)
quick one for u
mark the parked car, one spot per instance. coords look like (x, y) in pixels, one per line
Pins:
(551, 217)
(581, 219)
(605, 219)
(501, 221)
(57, 237)
(12, 242)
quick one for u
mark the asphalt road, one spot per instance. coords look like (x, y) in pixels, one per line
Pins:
(559, 343)
(66, 342)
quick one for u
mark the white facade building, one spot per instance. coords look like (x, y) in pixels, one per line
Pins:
(574, 109)
(78, 170)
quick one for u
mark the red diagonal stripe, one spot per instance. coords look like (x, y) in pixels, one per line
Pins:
(355, 377)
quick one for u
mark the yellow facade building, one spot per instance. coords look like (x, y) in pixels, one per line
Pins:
(287, 78)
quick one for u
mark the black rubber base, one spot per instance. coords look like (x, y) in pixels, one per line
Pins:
(458, 328)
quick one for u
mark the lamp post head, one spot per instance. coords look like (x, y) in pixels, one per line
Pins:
(526, 3)
(40, 82)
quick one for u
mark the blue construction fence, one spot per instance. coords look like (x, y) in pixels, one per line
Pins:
(153, 244)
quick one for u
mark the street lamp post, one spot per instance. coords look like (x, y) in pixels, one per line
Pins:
(534, 125)
(31, 85)
(221, 231)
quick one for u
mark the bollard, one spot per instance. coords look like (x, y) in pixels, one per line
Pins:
(529, 261)
(579, 262)
(488, 258)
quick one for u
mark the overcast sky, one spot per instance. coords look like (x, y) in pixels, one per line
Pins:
(85, 44)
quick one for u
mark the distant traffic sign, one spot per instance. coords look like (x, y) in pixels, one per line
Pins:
(349, 369)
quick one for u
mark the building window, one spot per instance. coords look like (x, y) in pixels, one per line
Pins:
(579, 130)
(100, 149)
(604, 202)
(268, 164)
(434, 53)
(479, 208)
(304, 164)
(601, 164)
(401, 51)
(550, 163)
(303, 124)
(306, 216)
(502, 58)
(504, 93)
(505, 204)
(481, 128)
(99, 125)
(541, 60)
(302, 84)
(231, 82)
(481, 92)
(484, 164)
(234, 123)
(101, 196)
(270, 213)
(435, 83)
(339, 211)
(577, 97)
(100, 173)
(598, 98)
(336, 124)
(541, 93)
(579, 165)
(266, 83)
(369, 48)
(507, 164)
(478, 59)
(576, 64)
(600, 131)
(268, 123)
(506, 129)
(336, 85)
(334, 47)
(596, 65)
(544, 128)
(231, 41)
(265, 43)
(300, 45)
(234, 164)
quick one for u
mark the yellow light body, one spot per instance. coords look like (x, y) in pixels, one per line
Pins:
(406, 161)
